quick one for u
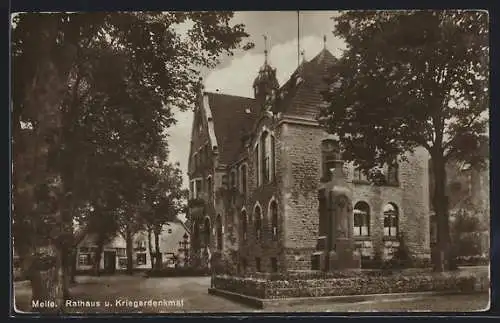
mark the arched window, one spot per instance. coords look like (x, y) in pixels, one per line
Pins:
(266, 163)
(274, 219)
(207, 231)
(244, 225)
(219, 232)
(361, 219)
(258, 223)
(391, 219)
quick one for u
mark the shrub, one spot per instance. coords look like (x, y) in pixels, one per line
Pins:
(402, 257)
(178, 272)
(362, 284)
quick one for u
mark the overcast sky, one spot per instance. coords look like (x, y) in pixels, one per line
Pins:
(235, 74)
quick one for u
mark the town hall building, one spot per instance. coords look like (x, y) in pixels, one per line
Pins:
(256, 165)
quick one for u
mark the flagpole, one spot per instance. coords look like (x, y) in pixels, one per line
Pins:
(298, 38)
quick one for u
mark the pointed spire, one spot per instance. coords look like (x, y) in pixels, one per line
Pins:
(265, 49)
(324, 41)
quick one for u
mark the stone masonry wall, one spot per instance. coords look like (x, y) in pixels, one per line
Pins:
(414, 182)
(301, 173)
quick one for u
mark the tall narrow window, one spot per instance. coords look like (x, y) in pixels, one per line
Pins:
(244, 225)
(391, 218)
(233, 179)
(258, 223)
(361, 219)
(274, 220)
(273, 159)
(191, 189)
(198, 188)
(207, 232)
(257, 162)
(244, 179)
(209, 187)
(265, 157)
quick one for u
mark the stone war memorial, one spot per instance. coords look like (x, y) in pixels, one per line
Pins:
(335, 245)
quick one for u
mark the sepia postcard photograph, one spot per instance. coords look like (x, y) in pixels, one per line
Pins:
(253, 161)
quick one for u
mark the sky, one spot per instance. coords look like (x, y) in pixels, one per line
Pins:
(235, 74)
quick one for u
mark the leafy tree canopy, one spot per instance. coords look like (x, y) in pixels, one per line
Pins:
(408, 79)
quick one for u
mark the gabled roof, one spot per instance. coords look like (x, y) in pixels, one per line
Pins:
(169, 242)
(303, 98)
(233, 117)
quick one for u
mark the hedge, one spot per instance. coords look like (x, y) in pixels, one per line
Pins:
(362, 284)
(178, 272)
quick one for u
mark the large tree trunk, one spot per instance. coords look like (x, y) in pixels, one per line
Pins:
(46, 276)
(42, 190)
(66, 270)
(158, 257)
(98, 257)
(440, 202)
(150, 247)
(72, 267)
(129, 247)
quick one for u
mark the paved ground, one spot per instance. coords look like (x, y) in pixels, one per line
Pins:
(189, 294)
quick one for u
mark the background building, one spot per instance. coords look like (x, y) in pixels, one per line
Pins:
(174, 240)
(255, 167)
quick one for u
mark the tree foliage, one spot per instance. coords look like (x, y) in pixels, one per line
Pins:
(410, 79)
(92, 97)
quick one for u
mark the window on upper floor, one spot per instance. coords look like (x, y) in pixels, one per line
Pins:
(359, 175)
(195, 161)
(256, 166)
(265, 164)
(233, 179)
(273, 159)
(198, 188)
(243, 181)
(264, 144)
(209, 187)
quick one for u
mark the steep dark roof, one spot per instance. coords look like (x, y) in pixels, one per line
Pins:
(303, 99)
(233, 117)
